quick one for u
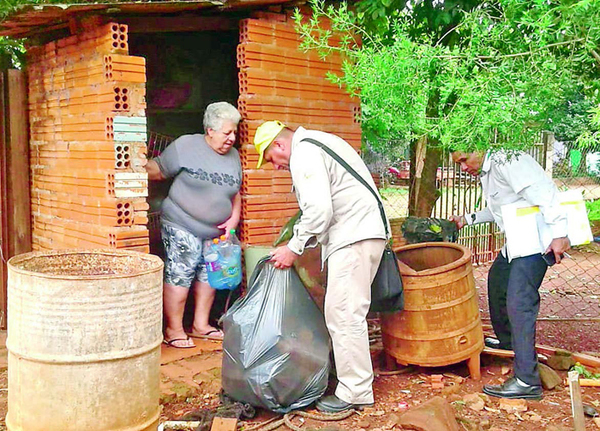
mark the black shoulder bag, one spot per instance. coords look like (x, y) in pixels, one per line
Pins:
(387, 293)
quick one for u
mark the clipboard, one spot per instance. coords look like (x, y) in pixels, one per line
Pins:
(527, 233)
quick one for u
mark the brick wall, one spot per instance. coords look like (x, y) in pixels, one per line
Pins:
(279, 82)
(87, 133)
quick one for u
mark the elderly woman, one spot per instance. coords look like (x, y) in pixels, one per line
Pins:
(203, 203)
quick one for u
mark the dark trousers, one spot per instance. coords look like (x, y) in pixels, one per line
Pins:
(514, 303)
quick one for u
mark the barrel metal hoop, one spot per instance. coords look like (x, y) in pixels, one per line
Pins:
(420, 284)
(441, 335)
(84, 359)
(441, 306)
(439, 361)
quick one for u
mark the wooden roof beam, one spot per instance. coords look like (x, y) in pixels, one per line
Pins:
(184, 23)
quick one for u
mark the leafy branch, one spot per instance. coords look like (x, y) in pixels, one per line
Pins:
(497, 83)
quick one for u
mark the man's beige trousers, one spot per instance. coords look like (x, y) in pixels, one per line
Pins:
(351, 271)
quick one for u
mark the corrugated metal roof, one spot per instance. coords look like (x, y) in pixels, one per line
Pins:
(30, 20)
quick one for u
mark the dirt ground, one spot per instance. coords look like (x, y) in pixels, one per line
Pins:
(190, 380)
(569, 310)
(395, 394)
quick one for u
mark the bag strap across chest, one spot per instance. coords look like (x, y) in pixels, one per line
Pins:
(355, 174)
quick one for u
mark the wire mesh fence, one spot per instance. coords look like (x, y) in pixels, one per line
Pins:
(570, 294)
(570, 305)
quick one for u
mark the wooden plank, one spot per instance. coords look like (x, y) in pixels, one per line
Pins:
(15, 208)
(502, 353)
(576, 403)
(582, 358)
(589, 382)
(3, 203)
(543, 351)
(19, 207)
(224, 424)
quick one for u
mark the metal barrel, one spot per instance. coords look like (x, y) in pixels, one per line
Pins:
(84, 335)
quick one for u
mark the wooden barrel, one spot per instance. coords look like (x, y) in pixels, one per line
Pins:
(440, 323)
(396, 231)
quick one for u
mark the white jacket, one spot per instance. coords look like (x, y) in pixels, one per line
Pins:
(337, 210)
(519, 179)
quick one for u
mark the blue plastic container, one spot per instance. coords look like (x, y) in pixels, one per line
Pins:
(223, 258)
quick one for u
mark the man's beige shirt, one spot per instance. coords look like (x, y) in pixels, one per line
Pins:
(337, 209)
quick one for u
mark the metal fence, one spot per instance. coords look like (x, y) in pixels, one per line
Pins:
(156, 145)
(570, 305)
(458, 193)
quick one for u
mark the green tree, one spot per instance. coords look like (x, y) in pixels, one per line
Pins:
(11, 48)
(572, 123)
(11, 52)
(458, 75)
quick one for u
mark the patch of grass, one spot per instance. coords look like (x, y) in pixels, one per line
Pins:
(394, 191)
(593, 209)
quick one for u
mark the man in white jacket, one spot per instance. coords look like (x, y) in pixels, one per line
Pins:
(513, 282)
(343, 216)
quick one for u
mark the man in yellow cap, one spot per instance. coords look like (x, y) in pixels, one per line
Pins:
(343, 216)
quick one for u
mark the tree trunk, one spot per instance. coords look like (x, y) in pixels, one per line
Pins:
(424, 161)
(582, 169)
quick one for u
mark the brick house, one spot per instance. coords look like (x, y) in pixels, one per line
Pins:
(106, 83)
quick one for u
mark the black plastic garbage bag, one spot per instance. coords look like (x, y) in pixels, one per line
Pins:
(276, 346)
(429, 229)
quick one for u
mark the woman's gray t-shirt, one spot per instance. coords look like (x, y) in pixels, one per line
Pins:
(204, 184)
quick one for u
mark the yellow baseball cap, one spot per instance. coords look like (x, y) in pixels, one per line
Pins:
(265, 134)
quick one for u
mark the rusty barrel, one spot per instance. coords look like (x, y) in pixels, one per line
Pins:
(440, 323)
(84, 336)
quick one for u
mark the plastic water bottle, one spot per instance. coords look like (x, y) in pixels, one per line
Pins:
(223, 258)
(225, 247)
(236, 256)
(213, 265)
(232, 259)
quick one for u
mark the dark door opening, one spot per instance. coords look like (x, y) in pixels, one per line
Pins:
(185, 72)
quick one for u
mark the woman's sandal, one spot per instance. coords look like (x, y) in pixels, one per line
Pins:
(208, 335)
(170, 343)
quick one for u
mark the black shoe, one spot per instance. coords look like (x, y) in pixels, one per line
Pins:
(494, 343)
(512, 389)
(332, 404)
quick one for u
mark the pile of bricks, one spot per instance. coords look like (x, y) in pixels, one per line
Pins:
(437, 381)
(88, 136)
(279, 82)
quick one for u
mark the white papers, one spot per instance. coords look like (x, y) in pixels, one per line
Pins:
(527, 233)
(579, 230)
